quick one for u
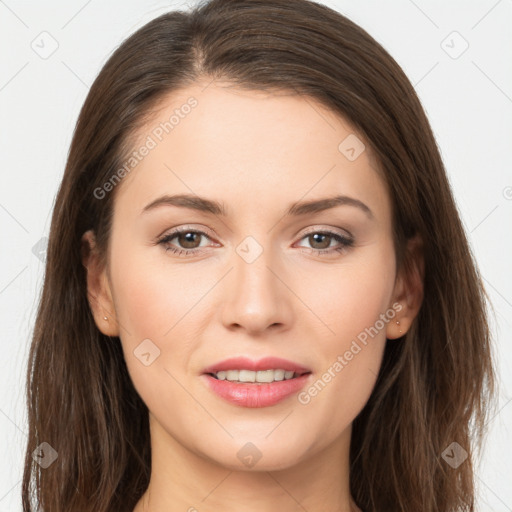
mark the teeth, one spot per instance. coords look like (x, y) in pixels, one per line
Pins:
(250, 376)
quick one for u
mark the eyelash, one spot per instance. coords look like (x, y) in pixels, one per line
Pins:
(346, 242)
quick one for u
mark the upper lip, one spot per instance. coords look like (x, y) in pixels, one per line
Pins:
(267, 363)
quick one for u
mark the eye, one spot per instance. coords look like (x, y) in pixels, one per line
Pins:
(324, 239)
(188, 239)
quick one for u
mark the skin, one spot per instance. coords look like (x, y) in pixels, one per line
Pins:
(256, 153)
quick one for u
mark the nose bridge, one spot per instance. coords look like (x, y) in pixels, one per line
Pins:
(256, 297)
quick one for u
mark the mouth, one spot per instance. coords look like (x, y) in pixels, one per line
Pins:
(247, 383)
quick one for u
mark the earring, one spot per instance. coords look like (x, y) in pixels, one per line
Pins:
(398, 323)
(105, 318)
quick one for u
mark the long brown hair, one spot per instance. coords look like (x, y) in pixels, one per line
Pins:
(436, 383)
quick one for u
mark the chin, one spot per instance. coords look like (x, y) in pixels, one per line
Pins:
(249, 457)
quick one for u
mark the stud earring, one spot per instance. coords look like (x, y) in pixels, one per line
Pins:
(398, 323)
(105, 318)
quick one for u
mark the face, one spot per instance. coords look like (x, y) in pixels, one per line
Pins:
(313, 286)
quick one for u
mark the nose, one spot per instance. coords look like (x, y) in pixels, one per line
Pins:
(256, 295)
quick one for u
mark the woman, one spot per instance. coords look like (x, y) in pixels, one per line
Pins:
(259, 294)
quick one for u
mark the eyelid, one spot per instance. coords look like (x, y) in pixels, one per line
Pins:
(184, 228)
(320, 229)
(207, 232)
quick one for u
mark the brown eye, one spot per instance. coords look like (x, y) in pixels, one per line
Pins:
(322, 239)
(320, 242)
(188, 241)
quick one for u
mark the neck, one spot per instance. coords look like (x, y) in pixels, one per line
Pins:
(183, 481)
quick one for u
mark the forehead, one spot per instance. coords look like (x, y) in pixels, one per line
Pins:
(248, 148)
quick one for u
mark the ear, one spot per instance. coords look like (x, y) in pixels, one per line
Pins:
(408, 291)
(98, 287)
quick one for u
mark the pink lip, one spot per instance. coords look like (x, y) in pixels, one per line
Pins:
(256, 395)
(267, 363)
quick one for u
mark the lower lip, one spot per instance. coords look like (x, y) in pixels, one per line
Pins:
(256, 395)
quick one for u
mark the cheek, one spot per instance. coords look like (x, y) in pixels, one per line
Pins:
(354, 303)
(154, 297)
(154, 302)
(350, 298)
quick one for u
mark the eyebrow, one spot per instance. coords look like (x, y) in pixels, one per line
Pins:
(296, 209)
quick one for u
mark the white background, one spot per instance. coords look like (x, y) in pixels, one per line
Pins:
(468, 100)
